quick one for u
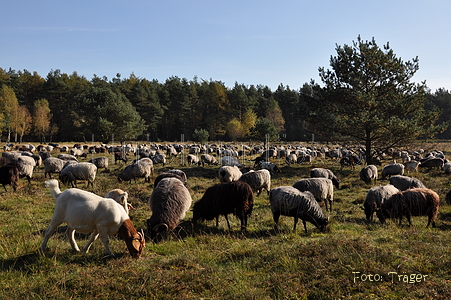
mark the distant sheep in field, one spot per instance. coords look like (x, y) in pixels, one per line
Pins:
(100, 162)
(321, 188)
(368, 174)
(79, 171)
(447, 168)
(139, 169)
(393, 169)
(411, 165)
(169, 202)
(86, 212)
(225, 198)
(159, 159)
(26, 165)
(325, 173)
(430, 163)
(271, 167)
(258, 180)
(229, 161)
(193, 160)
(289, 201)
(375, 197)
(53, 165)
(67, 157)
(9, 175)
(208, 159)
(291, 159)
(404, 182)
(229, 174)
(412, 202)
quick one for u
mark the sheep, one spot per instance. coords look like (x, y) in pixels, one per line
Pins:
(208, 159)
(291, 159)
(159, 159)
(175, 173)
(193, 160)
(411, 165)
(139, 169)
(229, 174)
(435, 162)
(53, 165)
(404, 182)
(169, 202)
(225, 198)
(258, 180)
(289, 201)
(78, 152)
(78, 171)
(100, 162)
(86, 212)
(368, 174)
(4, 161)
(13, 156)
(272, 168)
(393, 169)
(447, 168)
(229, 161)
(67, 157)
(325, 173)
(119, 155)
(412, 202)
(9, 175)
(26, 165)
(321, 188)
(120, 197)
(375, 197)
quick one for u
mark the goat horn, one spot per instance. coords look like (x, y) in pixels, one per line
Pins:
(157, 227)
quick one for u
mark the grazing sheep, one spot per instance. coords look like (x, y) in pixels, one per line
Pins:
(289, 201)
(100, 162)
(368, 174)
(229, 174)
(193, 160)
(4, 161)
(208, 159)
(272, 168)
(412, 202)
(9, 175)
(79, 171)
(53, 165)
(375, 197)
(321, 188)
(120, 156)
(169, 202)
(159, 159)
(229, 161)
(258, 180)
(411, 165)
(447, 168)
(393, 169)
(26, 165)
(404, 182)
(139, 169)
(78, 152)
(13, 156)
(291, 159)
(86, 212)
(225, 198)
(120, 197)
(325, 173)
(67, 157)
(435, 162)
(175, 173)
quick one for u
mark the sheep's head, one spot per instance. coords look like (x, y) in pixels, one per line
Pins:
(137, 244)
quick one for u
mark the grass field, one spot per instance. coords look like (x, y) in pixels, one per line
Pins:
(353, 260)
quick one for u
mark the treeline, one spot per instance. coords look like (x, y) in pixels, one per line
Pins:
(69, 107)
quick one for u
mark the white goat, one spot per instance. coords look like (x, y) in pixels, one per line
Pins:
(86, 212)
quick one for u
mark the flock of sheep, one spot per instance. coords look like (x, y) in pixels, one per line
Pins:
(171, 199)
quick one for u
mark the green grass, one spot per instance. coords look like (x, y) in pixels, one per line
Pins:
(206, 262)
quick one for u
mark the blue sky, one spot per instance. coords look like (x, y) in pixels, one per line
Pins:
(249, 42)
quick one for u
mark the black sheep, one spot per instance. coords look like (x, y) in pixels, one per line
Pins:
(225, 198)
(9, 174)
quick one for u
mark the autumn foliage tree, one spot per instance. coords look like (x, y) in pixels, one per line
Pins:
(41, 118)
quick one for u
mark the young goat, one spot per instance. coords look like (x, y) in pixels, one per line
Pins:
(86, 212)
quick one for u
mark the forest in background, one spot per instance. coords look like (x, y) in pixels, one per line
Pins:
(69, 107)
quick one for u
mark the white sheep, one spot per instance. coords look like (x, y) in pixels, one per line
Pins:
(392, 169)
(26, 165)
(142, 168)
(120, 197)
(229, 174)
(325, 173)
(411, 165)
(322, 188)
(258, 180)
(229, 161)
(86, 213)
(100, 162)
(193, 159)
(78, 171)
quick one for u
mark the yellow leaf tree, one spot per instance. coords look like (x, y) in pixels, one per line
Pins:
(8, 108)
(41, 118)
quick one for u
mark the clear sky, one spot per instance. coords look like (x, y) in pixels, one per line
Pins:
(249, 42)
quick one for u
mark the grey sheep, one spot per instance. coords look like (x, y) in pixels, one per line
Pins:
(229, 174)
(375, 197)
(325, 173)
(321, 188)
(159, 159)
(169, 202)
(289, 201)
(257, 180)
(53, 165)
(26, 165)
(447, 168)
(100, 162)
(175, 173)
(435, 162)
(393, 169)
(404, 182)
(193, 159)
(66, 157)
(139, 169)
(368, 174)
(225, 198)
(79, 171)
(13, 156)
(208, 159)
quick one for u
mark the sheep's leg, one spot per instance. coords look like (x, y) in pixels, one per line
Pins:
(103, 233)
(48, 233)
(92, 238)
(305, 226)
(330, 205)
(275, 217)
(70, 232)
(228, 224)
(296, 218)
(326, 204)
